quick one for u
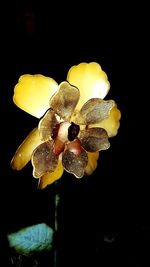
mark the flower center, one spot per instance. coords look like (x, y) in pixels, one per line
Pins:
(63, 133)
(73, 131)
(66, 131)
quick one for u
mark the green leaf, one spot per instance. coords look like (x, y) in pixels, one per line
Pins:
(32, 239)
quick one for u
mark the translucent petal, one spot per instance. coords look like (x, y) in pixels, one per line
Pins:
(51, 177)
(92, 162)
(23, 154)
(65, 100)
(112, 123)
(91, 80)
(94, 110)
(75, 163)
(43, 159)
(94, 139)
(33, 92)
(47, 125)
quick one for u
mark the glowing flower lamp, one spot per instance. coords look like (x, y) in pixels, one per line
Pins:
(75, 122)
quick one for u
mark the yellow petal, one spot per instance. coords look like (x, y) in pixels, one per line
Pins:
(24, 151)
(33, 92)
(92, 162)
(112, 123)
(51, 177)
(90, 79)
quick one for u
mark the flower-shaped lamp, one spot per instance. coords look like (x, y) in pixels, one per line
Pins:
(75, 122)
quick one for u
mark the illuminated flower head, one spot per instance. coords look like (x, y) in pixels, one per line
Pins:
(75, 122)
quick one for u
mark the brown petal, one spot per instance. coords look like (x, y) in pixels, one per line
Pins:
(110, 124)
(75, 163)
(47, 125)
(65, 100)
(94, 139)
(43, 159)
(94, 111)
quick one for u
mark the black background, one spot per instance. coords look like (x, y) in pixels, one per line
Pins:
(103, 219)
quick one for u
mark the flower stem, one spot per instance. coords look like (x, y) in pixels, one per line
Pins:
(56, 228)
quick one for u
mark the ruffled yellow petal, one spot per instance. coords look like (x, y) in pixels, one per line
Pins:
(92, 162)
(24, 151)
(33, 92)
(90, 79)
(112, 123)
(51, 177)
